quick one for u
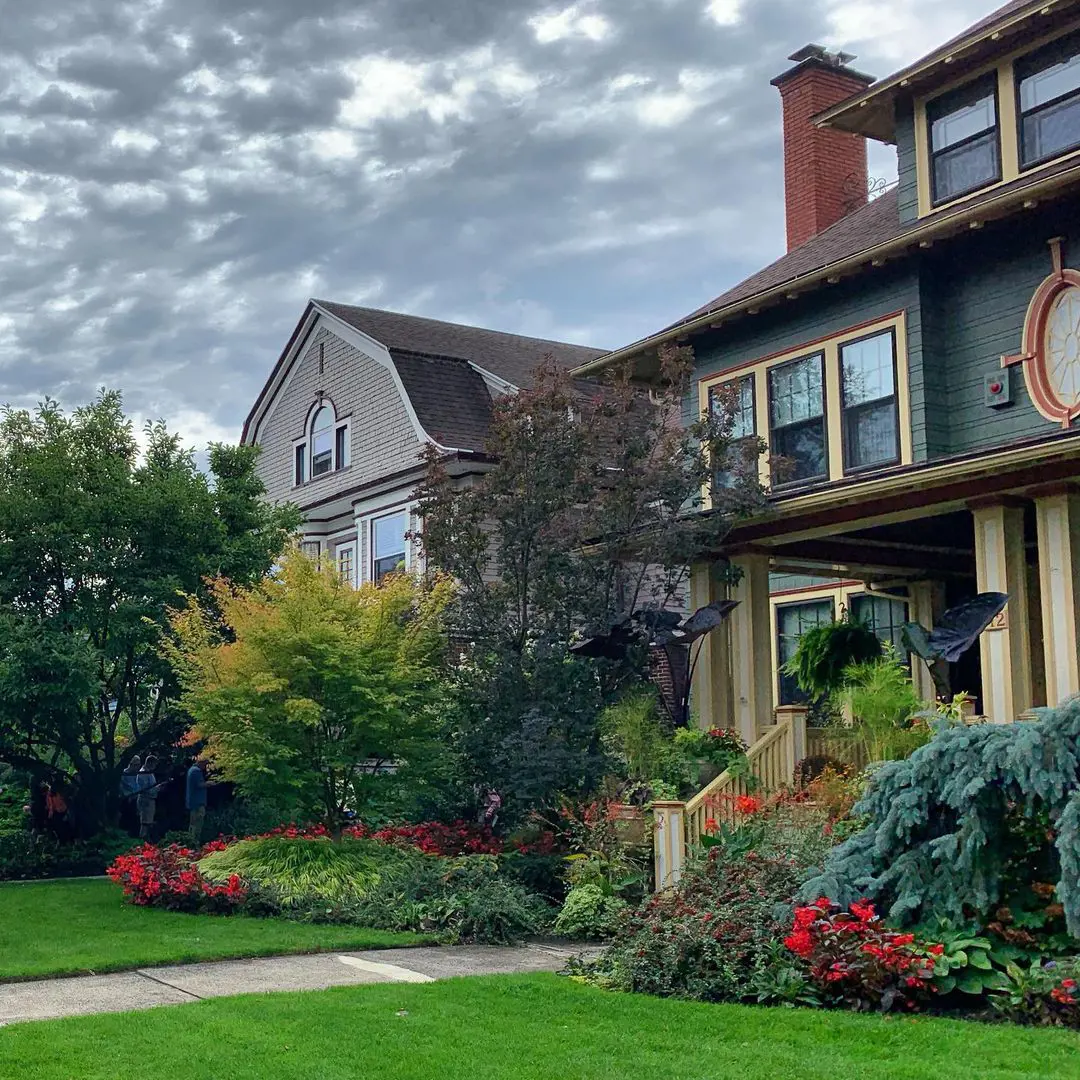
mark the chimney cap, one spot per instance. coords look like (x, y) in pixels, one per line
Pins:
(817, 56)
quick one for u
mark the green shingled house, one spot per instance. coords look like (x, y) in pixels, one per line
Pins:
(914, 359)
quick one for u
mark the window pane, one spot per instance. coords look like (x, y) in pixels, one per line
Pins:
(1051, 82)
(310, 548)
(345, 562)
(795, 391)
(952, 124)
(298, 465)
(740, 397)
(967, 167)
(884, 616)
(802, 450)
(322, 441)
(388, 545)
(870, 435)
(868, 369)
(1051, 131)
(792, 621)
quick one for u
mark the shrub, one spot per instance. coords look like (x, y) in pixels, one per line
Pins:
(299, 871)
(24, 857)
(590, 913)
(434, 838)
(168, 877)
(1044, 993)
(720, 746)
(956, 828)
(854, 960)
(710, 938)
(462, 900)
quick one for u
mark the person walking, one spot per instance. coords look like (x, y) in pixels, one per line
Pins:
(146, 799)
(195, 800)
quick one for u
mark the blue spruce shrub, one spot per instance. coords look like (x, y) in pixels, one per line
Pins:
(941, 822)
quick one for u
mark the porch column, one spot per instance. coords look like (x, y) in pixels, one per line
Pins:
(710, 668)
(1058, 521)
(1005, 647)
(751, 648)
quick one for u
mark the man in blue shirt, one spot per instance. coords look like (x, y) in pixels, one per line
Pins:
(195, 800)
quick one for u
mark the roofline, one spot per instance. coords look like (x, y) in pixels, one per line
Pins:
(927, 232)
(943, 54)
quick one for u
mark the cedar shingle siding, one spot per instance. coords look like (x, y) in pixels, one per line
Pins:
(383, 440)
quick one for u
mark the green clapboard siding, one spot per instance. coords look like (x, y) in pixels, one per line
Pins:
(976, 293)
(820, 314)
(907, 189)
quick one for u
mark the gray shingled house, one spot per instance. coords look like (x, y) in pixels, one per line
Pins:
(349, 406)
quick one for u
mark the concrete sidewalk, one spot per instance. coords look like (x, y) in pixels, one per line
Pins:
(149, 987)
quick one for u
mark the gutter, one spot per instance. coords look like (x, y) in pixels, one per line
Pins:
(925, 233)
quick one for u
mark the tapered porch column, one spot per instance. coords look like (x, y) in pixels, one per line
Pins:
(1005, 647)
(751, 648)
(1058, 521)
(712, 674)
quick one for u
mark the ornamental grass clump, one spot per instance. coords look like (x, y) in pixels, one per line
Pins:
(301, 871)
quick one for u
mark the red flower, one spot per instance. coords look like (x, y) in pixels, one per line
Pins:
(805, 917)
(710, 824)
(863, 910)
(748, 804)
(1068, 983)
(936, 950)
(800, 942)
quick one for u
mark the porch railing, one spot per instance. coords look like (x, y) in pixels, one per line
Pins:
(679, 826)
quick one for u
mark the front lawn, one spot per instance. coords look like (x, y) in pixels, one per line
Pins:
(535, 1027)
(58, 928)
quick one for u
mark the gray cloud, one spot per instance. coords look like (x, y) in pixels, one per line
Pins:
(176, 179)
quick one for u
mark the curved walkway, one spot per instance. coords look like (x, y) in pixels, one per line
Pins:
(149, 987)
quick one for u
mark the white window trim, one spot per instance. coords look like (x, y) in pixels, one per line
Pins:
(367, 525)
(352, 547)
(306, 441)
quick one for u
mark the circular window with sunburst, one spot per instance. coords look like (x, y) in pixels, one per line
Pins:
(1051, 349)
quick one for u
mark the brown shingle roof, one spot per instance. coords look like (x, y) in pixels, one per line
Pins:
(866, 227)
(509, 356)
(450, 398)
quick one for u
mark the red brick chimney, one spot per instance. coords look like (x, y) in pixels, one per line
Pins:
(824, 170)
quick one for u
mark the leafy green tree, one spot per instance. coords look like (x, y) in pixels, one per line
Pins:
(594, 508)
(98, 540)
(313, 687)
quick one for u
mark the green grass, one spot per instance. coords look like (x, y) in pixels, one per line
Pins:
(535, 1027)
(63, 928)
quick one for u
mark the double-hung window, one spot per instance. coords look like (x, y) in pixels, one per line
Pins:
(797, 421)
(389, 544)
(870, 419)
(1048, 88)
(965, 148)
(324, 448)
(346, 557)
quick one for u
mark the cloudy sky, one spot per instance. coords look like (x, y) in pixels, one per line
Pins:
(177, 177)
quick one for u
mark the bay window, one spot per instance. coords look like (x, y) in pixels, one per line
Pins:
(1048, 89)
(965, 149)
(870, 420)
(797, 420)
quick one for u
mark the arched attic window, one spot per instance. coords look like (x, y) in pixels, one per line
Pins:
(325, 446)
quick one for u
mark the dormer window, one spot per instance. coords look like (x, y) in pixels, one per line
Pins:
(965, 152)
(1049, 97)
(325, 447)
